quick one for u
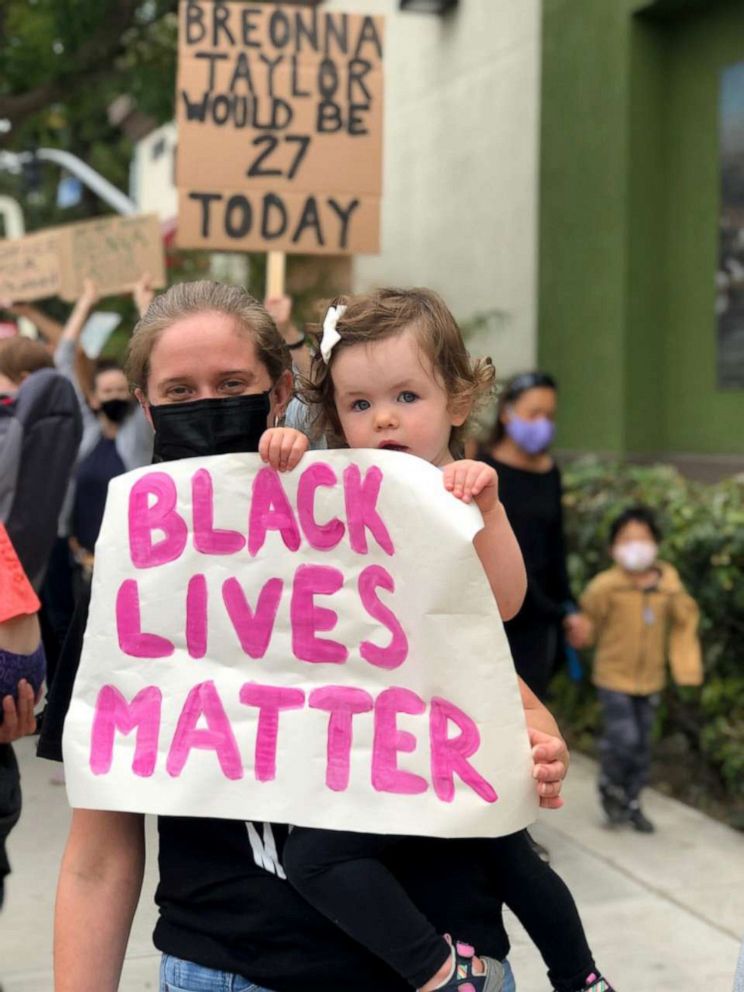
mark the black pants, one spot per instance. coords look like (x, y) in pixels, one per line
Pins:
(625, 744)
(343, 875)
(10, 806)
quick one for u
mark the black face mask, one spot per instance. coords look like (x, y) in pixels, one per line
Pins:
(116, 410)
(209, 427)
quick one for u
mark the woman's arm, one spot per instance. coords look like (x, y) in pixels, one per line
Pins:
(48, 327)
(97, 893)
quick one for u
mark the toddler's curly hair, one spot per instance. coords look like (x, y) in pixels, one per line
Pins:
(382, 314)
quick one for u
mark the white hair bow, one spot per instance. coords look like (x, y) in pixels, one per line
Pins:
(331, 337)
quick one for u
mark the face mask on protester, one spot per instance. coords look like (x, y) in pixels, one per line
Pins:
(635, 556)
(116, 410)
(209, 427)
(532, 436)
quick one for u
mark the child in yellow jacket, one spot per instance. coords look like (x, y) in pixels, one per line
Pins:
(637, 613)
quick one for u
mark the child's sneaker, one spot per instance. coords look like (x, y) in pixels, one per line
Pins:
(463, 979)
(595, 983)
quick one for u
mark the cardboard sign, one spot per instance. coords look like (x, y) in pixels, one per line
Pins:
(320, 647)
(279, 112)
(30, 267)
(112, 251)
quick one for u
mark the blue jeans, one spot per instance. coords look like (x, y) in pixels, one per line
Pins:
(510, 984)
(177, 975)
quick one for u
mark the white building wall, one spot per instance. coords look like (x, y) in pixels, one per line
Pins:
(461, 165)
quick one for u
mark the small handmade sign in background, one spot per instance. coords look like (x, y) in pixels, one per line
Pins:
(30, 267)
(279, 112)
(319, 647)
(112, 251)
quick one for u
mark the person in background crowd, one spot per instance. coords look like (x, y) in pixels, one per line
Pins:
(635, 612)
(40, 430)
(116, 436)
(530, 489)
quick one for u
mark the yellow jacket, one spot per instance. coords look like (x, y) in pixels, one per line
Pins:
(634, 630)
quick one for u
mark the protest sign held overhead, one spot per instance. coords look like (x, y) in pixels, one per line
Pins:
(30, 267)
(279, 112)
(296, 648)
(112, 251)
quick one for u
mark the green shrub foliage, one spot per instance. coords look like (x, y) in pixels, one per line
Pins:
(703, 528)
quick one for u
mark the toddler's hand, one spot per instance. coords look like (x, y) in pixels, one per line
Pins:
(473, 481)
(282, 447)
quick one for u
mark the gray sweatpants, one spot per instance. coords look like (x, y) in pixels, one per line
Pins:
(625, 743)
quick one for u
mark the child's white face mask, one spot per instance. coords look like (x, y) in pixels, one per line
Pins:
(635, 556)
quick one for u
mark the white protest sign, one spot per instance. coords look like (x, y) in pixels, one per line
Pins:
(319, 647)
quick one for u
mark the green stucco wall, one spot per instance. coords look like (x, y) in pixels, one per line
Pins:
(629, 220)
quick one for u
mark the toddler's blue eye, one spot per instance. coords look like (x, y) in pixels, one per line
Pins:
(407, 397)
(360, 405)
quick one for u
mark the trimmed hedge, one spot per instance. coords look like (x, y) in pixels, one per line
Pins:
(703, 528)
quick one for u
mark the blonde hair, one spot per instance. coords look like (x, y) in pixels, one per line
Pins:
(204, 296)
(384, 314)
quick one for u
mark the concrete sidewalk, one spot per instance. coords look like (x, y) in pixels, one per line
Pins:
(664, 913)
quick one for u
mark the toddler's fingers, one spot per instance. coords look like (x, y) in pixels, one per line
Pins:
(263, 445)
(298, 449)
(555, 803)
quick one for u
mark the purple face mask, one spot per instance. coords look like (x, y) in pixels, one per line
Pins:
(532, 436)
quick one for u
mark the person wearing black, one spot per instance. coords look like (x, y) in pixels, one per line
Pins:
(530, 489)
(226, 909)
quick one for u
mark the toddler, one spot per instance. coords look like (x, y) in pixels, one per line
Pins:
(636, 613)
(393, 373)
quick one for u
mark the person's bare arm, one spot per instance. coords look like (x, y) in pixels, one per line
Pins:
(280, 309)
(496, 545)
(99, 885)
(50, 329)
(549, 751)
(143, 293)
(80, 312)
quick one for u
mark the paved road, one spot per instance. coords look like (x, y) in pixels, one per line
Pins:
(664, 912)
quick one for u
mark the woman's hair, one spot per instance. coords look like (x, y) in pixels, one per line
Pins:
(204, 296)
(385, 313)
(635, 514)
(20, 356)
(512, 389)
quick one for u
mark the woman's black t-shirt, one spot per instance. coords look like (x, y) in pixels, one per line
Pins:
(224, 902)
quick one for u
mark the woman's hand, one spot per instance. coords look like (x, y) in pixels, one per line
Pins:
(550, 756)
(282, 447)
(473, 481)
(18, 716)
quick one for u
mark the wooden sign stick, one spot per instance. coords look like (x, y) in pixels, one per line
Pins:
(275, 273)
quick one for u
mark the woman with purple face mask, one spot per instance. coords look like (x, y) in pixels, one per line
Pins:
(530, 489)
